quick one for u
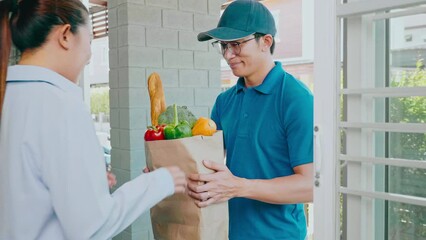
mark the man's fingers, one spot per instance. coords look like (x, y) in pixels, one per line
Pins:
(208, 177)
(202, 204)
(204, 188)
(203, 196)
(194, 177)
(196, 188)
(196, 196)
(202, 177)
(214, 166)
(192, 185)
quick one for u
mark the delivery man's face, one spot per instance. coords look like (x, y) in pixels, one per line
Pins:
(243, 56)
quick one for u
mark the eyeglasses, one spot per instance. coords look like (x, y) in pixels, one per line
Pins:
(235, 47)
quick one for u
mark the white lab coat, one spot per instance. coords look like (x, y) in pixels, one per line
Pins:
(53, 182)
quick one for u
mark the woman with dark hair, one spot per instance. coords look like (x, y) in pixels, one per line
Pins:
(53, 181)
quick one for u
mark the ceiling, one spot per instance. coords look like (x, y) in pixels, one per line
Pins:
(99, 16)
(103, 3)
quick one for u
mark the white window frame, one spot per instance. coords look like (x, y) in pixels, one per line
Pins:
(83, 81)
(328, 15)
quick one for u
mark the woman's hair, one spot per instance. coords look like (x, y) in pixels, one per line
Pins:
(27, 23)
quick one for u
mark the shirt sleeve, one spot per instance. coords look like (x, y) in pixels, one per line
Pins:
(75, 175)
(299, 129)
(215, 114)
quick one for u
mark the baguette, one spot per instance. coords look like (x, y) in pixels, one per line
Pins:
(156, 96)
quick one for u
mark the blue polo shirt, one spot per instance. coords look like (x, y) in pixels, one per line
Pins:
(268, 130)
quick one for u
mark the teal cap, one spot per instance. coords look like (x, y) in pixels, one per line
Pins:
(240, 19)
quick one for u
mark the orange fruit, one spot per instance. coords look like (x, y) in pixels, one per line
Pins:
(204, 126)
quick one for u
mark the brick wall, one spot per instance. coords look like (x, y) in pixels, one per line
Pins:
(148, 36)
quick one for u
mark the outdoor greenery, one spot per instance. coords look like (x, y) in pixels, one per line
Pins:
(404, 221)
(99, 101)
(408, 222)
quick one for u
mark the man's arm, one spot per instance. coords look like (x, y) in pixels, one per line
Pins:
(295, 188)
(223, 185)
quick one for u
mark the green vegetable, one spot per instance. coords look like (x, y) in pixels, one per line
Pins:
(177, 129)
(184, 114)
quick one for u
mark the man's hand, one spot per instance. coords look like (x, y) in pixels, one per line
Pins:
(216, 187)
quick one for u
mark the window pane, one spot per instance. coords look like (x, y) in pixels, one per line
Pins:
(407, 40)
(408, 146)
(401, 109)
(408, 109)
(407, 181)
(406, 69)
(406, 222)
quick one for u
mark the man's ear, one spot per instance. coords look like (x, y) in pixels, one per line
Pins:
(267, 42)
(64, 36)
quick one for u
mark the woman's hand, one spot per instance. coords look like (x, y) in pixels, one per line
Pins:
(179, 179)
(112, 180)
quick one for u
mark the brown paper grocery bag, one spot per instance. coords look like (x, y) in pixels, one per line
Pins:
(177, 217)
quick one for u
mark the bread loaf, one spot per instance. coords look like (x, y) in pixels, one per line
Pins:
(156, 95)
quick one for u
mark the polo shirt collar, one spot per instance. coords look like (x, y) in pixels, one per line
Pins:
(29, 73)
(268, 83)
(240, 84)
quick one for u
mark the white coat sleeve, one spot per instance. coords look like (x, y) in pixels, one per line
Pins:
(74, 172)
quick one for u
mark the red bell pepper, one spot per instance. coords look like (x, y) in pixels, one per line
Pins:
(154, 133)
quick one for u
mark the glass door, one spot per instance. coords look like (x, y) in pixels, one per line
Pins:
(370, 113)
